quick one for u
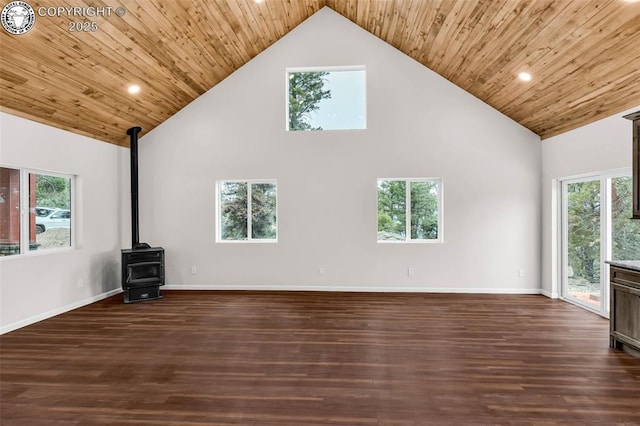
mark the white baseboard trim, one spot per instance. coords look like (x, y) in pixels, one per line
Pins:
(356, 289)
(52, 313)
(549, 294)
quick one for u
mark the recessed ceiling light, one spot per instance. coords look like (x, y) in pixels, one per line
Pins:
(133, 89)
(524, 76)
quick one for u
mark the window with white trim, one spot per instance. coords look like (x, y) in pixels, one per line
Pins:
(410, 210)
(247, 211)
(35, 211)
(328, 98)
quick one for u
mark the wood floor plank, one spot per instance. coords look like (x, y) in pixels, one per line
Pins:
(308, 358)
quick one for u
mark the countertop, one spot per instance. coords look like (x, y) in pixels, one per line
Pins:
(634, 265)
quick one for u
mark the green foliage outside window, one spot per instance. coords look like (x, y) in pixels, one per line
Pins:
(234, 207)
(392, 210)
(626, 231)
(583, 209)
(53, 191)
(584, 218)
(263, 211)
(305, 93)
(233, 199)
(424, 211)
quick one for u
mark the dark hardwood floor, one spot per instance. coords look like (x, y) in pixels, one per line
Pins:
(304, 358)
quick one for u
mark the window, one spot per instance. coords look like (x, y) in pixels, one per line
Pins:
(410, 210)
(9, 211)
(35, 211)
(326, 99)
(236, 199)
(596, 225)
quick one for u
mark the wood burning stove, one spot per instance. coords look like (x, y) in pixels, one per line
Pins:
(142, 265)
(142, 273)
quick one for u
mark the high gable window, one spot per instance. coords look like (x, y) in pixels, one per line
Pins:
(326, 99)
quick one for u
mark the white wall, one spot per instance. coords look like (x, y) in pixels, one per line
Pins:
(597, 147)
(419, 125)
(37, 286)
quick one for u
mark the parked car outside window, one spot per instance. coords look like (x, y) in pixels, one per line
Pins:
(44, 211)
(59, 218)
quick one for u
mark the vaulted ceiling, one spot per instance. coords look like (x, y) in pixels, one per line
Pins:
(584, 55)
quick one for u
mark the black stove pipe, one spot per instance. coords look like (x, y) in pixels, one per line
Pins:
(135, 235)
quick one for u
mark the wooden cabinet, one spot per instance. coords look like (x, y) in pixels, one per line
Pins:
(635, 117)
(625, 309)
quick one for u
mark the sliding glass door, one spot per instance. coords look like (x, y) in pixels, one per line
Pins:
(596, 227)
(583, 257)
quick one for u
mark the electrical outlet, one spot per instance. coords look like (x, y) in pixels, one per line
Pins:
(411, 272)
(193, 270)
(321, 270)
(521, 272)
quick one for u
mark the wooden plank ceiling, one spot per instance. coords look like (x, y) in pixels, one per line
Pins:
(584, 56)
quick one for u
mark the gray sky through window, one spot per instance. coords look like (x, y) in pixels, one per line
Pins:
(347, 107)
